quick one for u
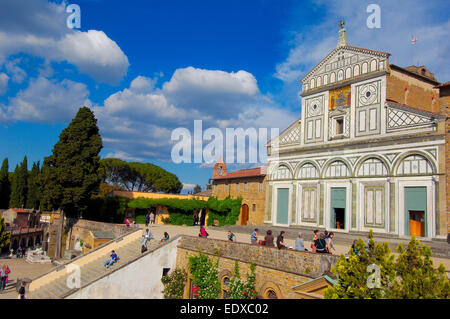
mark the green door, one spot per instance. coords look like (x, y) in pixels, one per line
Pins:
(338, 205)
(415, 200)
(283, 206)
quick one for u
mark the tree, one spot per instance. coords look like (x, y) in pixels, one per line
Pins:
(19, 188)
(33, 195)
(5, 236)
(205, 276)
(197, 189)
(5, 185)
(371, 271)
(367, 272)
(416, 277)
(70, 176)
(139, 177)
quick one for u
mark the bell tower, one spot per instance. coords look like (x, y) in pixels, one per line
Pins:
(220, 169)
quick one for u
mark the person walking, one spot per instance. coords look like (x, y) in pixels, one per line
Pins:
(112, 260)
(300, 243)
(254, 237)
(203, 233)
(320, 244)
(152, 218)
(147, 219)
(330, 244)
(22, 291)
(146, 237)
(280, 240)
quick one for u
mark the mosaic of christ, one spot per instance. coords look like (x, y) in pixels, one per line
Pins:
(340, 97)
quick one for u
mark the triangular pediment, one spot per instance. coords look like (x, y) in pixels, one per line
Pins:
(344, 63)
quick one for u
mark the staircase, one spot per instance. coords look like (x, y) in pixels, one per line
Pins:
(91, 271)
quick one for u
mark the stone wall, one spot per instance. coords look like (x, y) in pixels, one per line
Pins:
(252, 195)
(445, 110)
(81, 228)
(276, 270)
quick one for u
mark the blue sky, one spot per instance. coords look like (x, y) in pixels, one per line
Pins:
(148, 67)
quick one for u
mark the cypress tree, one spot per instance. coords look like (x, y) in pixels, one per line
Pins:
(5, 185)
(33, 187)
(19, 187)
(70, 176)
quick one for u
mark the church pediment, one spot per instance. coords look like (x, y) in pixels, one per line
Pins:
(344, 63)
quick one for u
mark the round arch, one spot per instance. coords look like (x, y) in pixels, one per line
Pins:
(337, 159)
(400, 159)
(367, 157)
(269, 286)
(300, 165)
(282, 164)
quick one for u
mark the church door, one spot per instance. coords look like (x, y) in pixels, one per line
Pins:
(283, 206)
(416, 211)
(338, 207)
(244, 215)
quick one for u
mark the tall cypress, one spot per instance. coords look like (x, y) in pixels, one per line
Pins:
(19, 185)
(5, 185)
(70, 176)
(33, 187)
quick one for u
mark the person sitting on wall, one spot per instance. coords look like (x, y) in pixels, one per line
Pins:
(231, 236)
(203, 233)
(166, 237)
(280, 240)
(320, 244)
(269, 239)
(300, 243)
(112, 260)
(254, 237)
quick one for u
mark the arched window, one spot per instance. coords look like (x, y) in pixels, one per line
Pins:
(338, 169)
(415, 164)
(333, 77)
(319, 81)
(325, 79)
(313, 83)
(282, 172)
(373, 65)
(356, 70)
(348, 73)
(308, 171)
(365, 67)
(372, 167)
(271, 294)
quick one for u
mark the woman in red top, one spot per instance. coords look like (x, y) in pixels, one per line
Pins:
(203, 232)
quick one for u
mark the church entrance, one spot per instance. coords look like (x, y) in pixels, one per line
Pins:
(244, 214)
(338, 207)
(416, 211)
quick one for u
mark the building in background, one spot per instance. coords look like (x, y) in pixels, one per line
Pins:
(248, 184)
(369, 151)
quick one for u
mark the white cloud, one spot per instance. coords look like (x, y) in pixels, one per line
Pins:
(399, 22)
(38, 27)
(46, 101)
(4, 78)
(17, 73)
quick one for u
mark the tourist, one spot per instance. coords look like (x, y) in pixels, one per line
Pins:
(280, 240)
(166, 237)
(203, 233)
(325, 234)
(147, 219)
(354, 246)
(3, 275)
(127, 222)
(112, 260)
(146, 237)
(8, 271)
(300, 243)
(152, 218)
(254, 237)
(135, 224)
(330, 244)
(368, 238)
(269, 239)
(231, 236)
(316, 236)
(143, 249)
(320, 244)
(22, 291)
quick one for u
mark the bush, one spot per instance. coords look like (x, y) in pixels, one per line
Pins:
(174, 284)
(205, 276)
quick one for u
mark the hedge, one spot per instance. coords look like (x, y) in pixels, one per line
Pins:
(226, 211)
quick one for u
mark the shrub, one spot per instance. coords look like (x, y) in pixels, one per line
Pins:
(174, 284)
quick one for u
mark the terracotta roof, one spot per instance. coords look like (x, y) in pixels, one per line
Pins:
(19, 210)
(250, 172)
(443, 85)
(409, 71)
(207, 193)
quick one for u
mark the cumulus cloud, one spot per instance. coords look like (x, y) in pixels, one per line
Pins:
(313, 42)
(18, 74)
(38, 27)
(46, 101)
(4, 78)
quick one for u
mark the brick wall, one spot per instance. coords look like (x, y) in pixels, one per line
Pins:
(412, 91)
(278, 270)
(445, 110)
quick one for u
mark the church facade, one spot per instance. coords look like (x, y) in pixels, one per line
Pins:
(368, 152)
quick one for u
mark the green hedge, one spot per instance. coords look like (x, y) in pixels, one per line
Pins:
(182, 210)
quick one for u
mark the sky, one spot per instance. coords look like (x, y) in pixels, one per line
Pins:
(148, 67)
